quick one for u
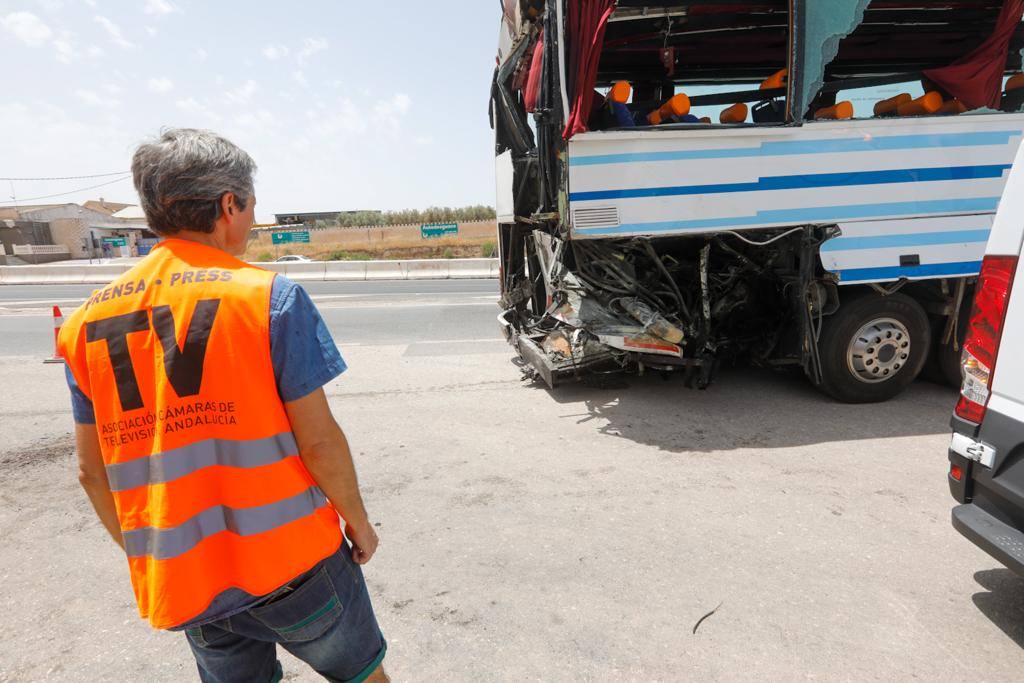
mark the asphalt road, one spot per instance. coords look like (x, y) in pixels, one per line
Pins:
(382, 312)
(576, 534)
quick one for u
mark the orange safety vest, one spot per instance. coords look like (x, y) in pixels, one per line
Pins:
(210, 491)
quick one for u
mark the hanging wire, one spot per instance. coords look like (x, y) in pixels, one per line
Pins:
(71, 177)
(22, 200)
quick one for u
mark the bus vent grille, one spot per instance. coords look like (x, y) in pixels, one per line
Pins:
(596, 217)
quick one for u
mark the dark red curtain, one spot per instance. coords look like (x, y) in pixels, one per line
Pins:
(976, 79)
(585, 25)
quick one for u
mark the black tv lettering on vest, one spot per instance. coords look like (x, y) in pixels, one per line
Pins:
(184, 366)
(115, 331)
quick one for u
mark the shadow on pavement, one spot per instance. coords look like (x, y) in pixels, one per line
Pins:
(1003, 604)
(745, 408)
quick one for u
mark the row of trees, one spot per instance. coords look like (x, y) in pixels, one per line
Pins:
(433, 214)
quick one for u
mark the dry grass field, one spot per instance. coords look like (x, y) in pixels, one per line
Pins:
(474, 240)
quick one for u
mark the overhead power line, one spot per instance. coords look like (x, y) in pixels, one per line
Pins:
(22, 200)
(71, 177)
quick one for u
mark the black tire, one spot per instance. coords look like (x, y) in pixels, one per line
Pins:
(889, 371)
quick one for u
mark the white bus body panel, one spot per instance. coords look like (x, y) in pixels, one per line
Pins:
(913, 197)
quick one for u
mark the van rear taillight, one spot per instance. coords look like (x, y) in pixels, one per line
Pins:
(978, 362)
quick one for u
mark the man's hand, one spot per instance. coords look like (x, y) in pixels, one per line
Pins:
(364, 542)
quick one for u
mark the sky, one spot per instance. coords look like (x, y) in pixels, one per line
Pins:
(343, 105)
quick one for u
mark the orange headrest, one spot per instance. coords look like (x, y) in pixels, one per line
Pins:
(677, 105)
(840, 110)
(929, 103)
(889, 106)
(620, 92)
(953, 107)
(737, 113)
(776, 80)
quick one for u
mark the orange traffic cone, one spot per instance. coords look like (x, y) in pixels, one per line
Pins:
(58, 320)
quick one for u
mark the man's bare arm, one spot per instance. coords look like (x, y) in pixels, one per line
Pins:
(92, 475)
(324, 450)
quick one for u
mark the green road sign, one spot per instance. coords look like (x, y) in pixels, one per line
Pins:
(428, 230)
(290, 236)
(116, 241)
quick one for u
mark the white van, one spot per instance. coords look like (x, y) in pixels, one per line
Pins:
(986, 455)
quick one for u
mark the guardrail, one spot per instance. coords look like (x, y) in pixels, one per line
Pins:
(425, 269)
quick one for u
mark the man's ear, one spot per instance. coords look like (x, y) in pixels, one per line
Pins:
(227, 204)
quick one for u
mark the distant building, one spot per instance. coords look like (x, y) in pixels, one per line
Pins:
(82, 232)
(309, 219)
(103, 206)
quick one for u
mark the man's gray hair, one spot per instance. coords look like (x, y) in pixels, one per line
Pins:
(182, 176)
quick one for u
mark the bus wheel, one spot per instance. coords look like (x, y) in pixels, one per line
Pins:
(873, 347)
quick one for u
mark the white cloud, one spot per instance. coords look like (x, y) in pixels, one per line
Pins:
(310, 46)
(114, 31)
(201, 54)
(244, 94)
(401, 102)
(64, 44)
(300, 78)
(150, 30)
(198, 110)
(94, 51)
(50, 5)
(387, 114)
(91, 98)
(112, 88)
(423, 140)
(160, 85)
(27, 27)
(273, 52)
(90, 3)
(259, 120)
(159, 8)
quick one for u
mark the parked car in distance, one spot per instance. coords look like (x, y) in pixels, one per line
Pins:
(986, 454)
(293, 258)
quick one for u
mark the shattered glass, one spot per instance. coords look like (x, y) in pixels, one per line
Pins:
(826, 23)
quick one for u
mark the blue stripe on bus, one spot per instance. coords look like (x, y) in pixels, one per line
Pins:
(805, 181)
(896, 272)
(806, 215)
(913, 239)
(864, 143)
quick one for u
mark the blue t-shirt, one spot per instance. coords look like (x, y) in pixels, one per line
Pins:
(301, 349)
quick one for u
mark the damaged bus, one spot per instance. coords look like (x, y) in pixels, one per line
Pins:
(777, 182)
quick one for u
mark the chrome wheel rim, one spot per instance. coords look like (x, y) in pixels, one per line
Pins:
(879, 350)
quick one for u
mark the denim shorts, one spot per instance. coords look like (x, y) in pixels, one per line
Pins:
(323, 617)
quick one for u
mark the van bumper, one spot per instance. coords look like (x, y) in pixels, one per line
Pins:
(1000, 540)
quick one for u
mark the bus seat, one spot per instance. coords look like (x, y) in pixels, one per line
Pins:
(1014, 82)
(776, 80)
(929, 103)
(888, 107)
(677, 105)
(840, 110)
(952, 107)
(737, 113)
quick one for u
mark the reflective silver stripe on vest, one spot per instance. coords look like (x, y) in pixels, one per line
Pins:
(170, 465)
(163, 544)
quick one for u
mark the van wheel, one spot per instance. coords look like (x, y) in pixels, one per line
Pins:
(873, 347)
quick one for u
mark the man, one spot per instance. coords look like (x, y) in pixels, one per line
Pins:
(205, 441)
